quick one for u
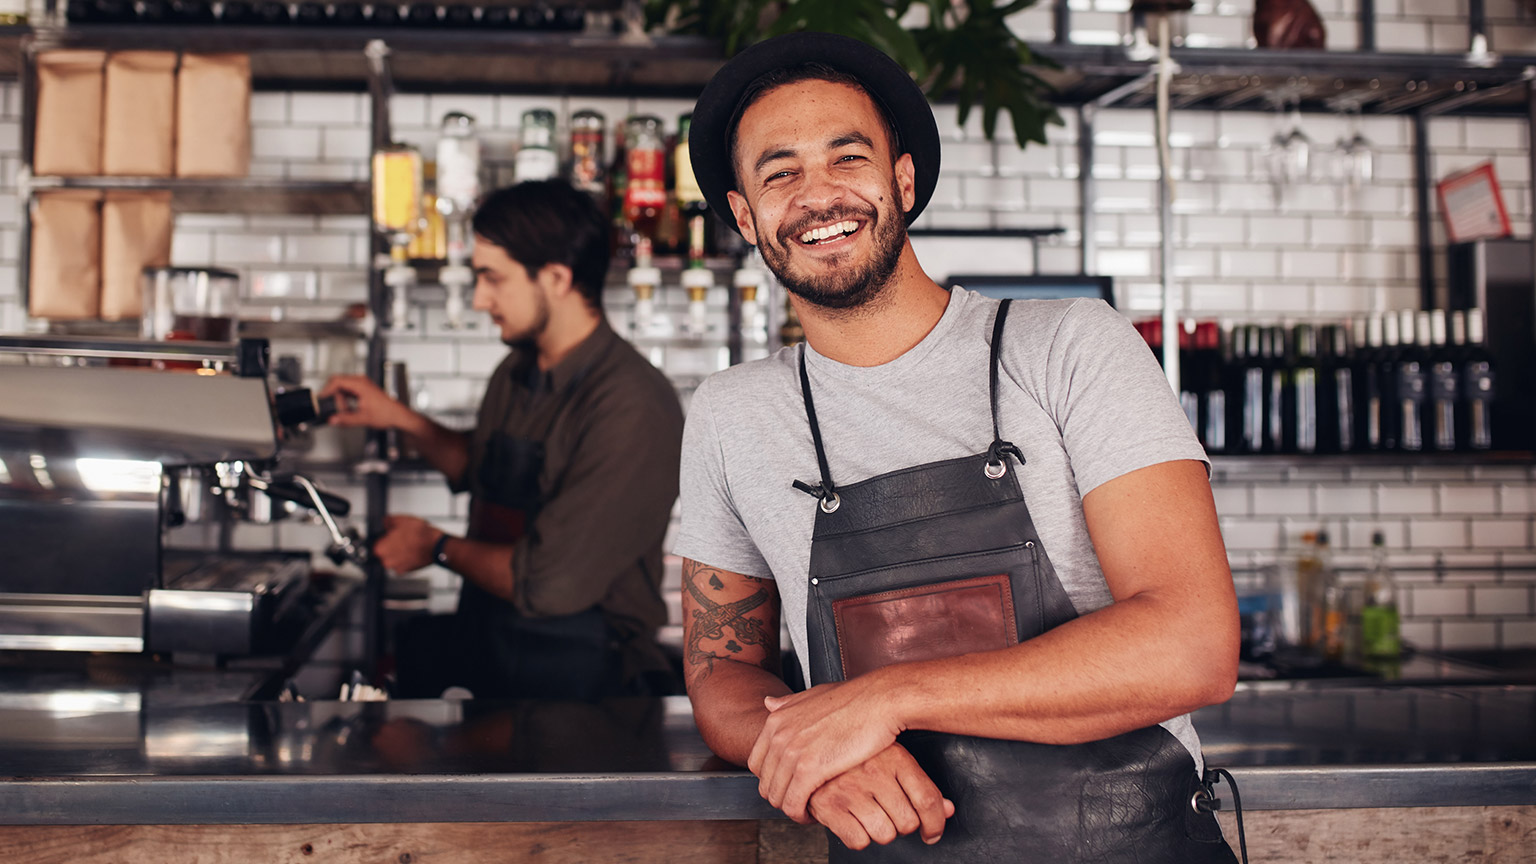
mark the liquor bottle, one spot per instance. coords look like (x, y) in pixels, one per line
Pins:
(1253, 391)
(422, 15)
(192, 12)
(1189, 387)
(1336, 393)
(1212, 387)
(1477, 387)
(1301, 418)
(385, 15)
(1333, 613)
(1380, 627)
(459, 15)
(645, 192)
(1275, 355)
(536, 157)
(150, 12)
(618, 188)
(311, 14)
(690, 198)
(348, 15)
(1387, 380)
(1444, 378)
(236, 12)
(1412, 391)
(499, 17)
(272, 14)
(588, 173)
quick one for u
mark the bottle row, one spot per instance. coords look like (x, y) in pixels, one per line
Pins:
(1406, 381)
(646, 186)
(537, 16)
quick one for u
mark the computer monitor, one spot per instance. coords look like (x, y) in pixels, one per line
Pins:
(1037, 287)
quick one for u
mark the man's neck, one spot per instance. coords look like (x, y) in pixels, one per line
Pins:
(905, 312)
(567, 329)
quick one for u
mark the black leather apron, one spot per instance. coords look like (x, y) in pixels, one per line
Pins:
(962, 525)
(487, 645)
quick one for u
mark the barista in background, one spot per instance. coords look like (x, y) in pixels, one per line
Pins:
(572, 470)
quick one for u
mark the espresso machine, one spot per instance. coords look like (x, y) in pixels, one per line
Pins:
(125, 466)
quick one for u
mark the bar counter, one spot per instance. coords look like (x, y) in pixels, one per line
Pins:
(123, 754)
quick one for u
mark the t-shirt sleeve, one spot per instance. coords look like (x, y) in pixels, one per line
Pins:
(1111, 399)
(711, 530)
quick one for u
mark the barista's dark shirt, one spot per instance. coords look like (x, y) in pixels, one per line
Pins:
(612, 429)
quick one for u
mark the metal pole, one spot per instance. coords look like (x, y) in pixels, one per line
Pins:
(376, 475)
(1477, 27)
(1421, 187)
(1367, 25)
(1063, 22)
(1530, 151)
(1087, 221)
(1171, 302)
(24, 193)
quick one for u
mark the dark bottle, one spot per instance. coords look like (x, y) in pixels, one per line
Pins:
(690, 198)
(154, 12)
(237, 12)
(1477, 387)
(311, 15)
(504, 17)
(113, 12)
(539, 16)
(570, 18)
(1301, 416)
(191, 12)
(385, 15)
(1412, 382)
(1189, 375)
(1275, 357)
(1211, 386)
(1389, 416)
(1254, 390)
(618, 187)
(1336, 393)
(459, 15)
(272, 14)
(348, 15)
(1444, 380)
(423, 15)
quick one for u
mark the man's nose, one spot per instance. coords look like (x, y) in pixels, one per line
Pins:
(482, 297)
(820, 189)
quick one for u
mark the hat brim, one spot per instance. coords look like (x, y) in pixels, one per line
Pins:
(890, 85)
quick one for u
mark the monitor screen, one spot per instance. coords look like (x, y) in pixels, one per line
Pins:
(1043, 287)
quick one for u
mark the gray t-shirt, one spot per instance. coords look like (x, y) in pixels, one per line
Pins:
(1081, 395)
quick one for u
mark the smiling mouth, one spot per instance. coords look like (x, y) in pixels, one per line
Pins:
(828, 234)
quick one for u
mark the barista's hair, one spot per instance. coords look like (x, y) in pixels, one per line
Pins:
(776, 78)
(544, 222)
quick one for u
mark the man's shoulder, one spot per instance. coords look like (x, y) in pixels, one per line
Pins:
(750, 381)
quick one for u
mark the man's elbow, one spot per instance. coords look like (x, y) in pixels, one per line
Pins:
(1212, 676)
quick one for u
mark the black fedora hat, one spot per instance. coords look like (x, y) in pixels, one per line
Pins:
(890, 85)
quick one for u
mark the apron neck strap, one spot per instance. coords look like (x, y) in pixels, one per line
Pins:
(999, 447)
(824, 490)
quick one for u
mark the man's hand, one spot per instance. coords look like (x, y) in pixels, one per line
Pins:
(407, 543)
(364, 404)
(886, 797)
(813, 736)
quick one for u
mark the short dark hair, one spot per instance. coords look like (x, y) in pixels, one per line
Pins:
(776, 78)
(542, 222)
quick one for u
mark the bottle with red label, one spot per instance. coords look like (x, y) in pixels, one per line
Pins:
(645, 193)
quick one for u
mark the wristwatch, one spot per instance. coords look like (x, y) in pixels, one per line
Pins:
(440, 551)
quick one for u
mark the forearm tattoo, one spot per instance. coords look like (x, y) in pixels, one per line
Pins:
(719, 628)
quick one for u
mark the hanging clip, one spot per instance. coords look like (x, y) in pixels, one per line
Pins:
(829, 499)
(997, 464)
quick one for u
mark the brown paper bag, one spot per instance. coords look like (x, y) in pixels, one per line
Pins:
(139, 117)
(66, 255)
(69, 94)
(135, 233)
(213, 116)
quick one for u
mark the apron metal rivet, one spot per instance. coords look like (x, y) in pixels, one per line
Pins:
(815, 581)
(831, 503)
(995, 470)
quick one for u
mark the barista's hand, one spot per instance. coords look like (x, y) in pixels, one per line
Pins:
(407, 543)
(886, 797)
(813, 736)
(364, 403)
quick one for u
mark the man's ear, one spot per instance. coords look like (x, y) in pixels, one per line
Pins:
(556, 279)
(743, 213)
(906, 182)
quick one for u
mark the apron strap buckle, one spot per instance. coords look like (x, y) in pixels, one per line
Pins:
(997, 464)
(821, 491)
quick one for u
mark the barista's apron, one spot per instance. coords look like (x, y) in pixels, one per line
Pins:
(488, 646)
(943, 559)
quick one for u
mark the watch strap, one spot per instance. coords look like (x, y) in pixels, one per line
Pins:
(440, 551)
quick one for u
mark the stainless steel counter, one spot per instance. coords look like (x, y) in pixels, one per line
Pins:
(87, 756)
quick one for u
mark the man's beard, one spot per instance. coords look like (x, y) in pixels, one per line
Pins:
(846, 287)
(527, 338)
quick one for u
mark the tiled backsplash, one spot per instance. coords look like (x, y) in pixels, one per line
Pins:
(1242, 252)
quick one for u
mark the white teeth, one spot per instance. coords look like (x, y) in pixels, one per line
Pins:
(818, 234)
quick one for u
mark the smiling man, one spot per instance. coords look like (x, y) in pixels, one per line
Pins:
(991, 535)
(571, 469)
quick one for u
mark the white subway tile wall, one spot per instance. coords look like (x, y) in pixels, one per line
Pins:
(1241, 252)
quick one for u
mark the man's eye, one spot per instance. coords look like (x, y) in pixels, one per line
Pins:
(778, 175)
